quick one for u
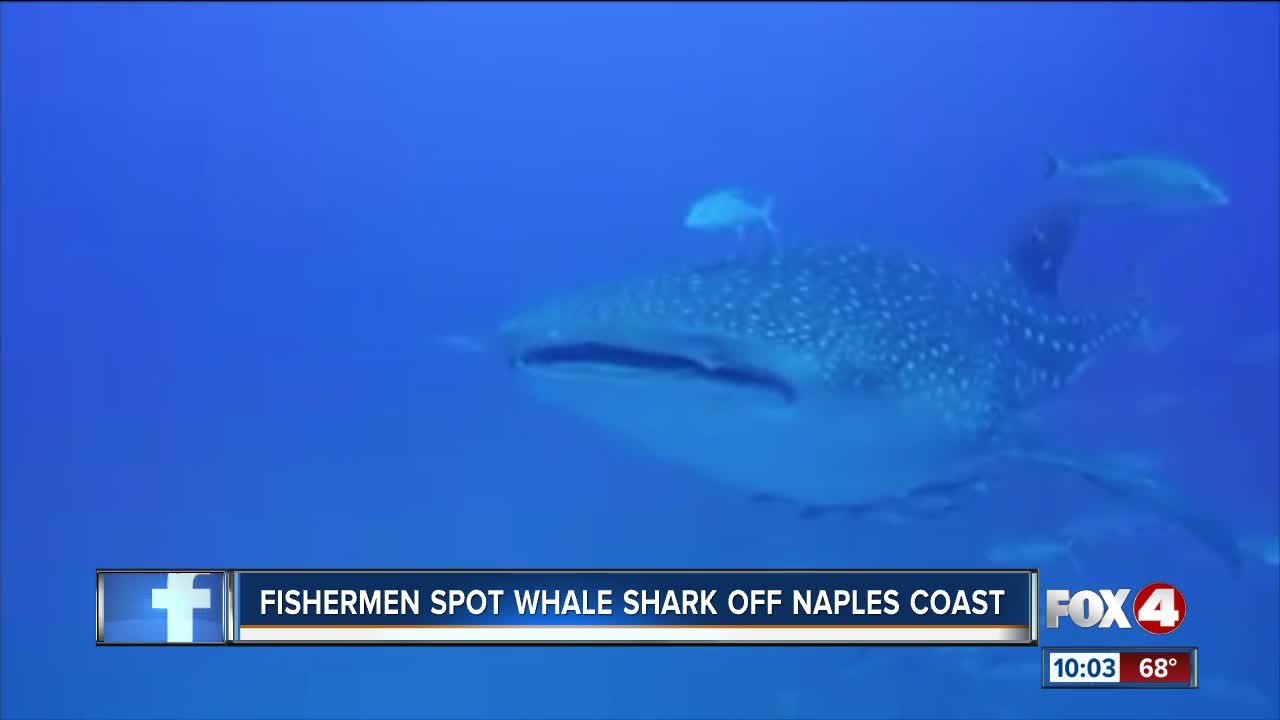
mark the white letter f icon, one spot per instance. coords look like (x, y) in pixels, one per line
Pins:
(180, 599)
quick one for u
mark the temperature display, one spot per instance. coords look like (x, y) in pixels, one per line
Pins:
(1126, 667)
(1156, 667)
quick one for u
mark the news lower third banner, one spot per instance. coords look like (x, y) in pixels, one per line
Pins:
(567, 607)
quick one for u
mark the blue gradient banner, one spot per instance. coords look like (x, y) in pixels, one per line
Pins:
(636, 607)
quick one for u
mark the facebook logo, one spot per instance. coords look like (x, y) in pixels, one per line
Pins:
(161, 607)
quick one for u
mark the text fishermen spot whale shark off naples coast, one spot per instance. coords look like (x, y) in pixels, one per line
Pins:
(828, 376)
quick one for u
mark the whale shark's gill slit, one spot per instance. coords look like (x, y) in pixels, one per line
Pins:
(657, 362)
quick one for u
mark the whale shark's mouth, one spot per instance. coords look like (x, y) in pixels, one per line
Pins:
(595, 357)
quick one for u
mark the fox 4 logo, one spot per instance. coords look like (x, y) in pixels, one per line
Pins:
(1159, 608)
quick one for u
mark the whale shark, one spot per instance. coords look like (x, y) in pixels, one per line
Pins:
(830, 376)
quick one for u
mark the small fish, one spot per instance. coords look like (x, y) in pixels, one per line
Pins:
(1264, 548)
(1032, 552)
(1144, 180)
(728, 208)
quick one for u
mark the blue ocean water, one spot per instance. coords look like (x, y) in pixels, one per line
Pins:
(236, 239)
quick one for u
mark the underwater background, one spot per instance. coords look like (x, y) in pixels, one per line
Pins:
(244, 247)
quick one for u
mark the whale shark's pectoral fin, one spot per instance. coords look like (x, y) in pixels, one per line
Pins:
(968, 482)
(895, 510)
(806, 511)
(1119, 480)
(926, 506)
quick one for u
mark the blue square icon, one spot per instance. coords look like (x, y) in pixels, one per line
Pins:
(160, 607)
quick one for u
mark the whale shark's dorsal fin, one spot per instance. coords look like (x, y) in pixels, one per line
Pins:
(1039, 248)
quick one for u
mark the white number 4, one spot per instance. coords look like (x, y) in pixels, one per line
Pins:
(1160, 608)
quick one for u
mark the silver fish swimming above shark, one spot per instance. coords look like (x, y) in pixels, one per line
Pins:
(830, 377)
